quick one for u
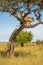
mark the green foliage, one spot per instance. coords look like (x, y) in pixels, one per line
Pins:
(24, 37)
(11, 5)
(15, 2)
(31, 1)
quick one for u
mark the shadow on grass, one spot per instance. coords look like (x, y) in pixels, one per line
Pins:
(18, 54)
(3, 53)
(22, 54)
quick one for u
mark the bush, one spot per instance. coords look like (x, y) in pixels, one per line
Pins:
(24, 37)
(38, 42)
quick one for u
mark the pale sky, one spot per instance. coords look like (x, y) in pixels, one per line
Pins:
(8, 24)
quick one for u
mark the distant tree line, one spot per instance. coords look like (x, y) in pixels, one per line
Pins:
(39, 41)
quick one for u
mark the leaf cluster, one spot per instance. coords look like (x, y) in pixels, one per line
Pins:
(24, 37)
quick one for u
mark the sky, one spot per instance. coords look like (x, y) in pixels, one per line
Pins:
(9, 23)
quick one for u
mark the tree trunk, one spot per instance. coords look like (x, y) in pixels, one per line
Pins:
(12, 40)
(22, 44)
(11, 51)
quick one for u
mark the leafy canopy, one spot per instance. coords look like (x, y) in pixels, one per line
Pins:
(14, 7)
(24, 37)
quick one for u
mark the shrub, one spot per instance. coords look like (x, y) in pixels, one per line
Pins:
(24, 37)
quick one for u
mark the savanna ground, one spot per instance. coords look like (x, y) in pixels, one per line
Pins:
(31, 54)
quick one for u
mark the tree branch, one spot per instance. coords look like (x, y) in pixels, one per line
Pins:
(32, 26)
(19, 19)
(8, 10)
(26, 14)
(15, 33)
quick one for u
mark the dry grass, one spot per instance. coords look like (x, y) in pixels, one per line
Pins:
(28, 55)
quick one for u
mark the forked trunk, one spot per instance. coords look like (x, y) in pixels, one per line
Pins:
(12, 40)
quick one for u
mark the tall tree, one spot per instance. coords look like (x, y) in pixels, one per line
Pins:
(24, 8)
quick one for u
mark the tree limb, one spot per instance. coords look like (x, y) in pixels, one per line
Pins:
(7, 10)
(32, 26)
(15, 33)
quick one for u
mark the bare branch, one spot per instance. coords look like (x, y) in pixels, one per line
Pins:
(29, 11)
(37, 13)
(15, 15)
(8, 10)
(26, 14)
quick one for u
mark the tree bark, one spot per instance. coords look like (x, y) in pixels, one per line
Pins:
(11, 50)
(12, 40)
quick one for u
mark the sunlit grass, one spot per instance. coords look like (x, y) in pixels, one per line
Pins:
(27, 55)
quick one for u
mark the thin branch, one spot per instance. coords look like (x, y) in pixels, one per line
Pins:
(29, 11)
(15, 15)
(26, 14)
(37, 13)
(7, 10)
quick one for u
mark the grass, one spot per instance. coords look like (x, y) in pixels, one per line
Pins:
(27, 55)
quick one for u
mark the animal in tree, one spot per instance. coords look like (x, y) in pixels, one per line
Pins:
(15, 7)
(27, 20)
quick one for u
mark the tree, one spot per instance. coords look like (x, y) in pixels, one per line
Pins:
(24, 37)
(14, 7)
(38, 42)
